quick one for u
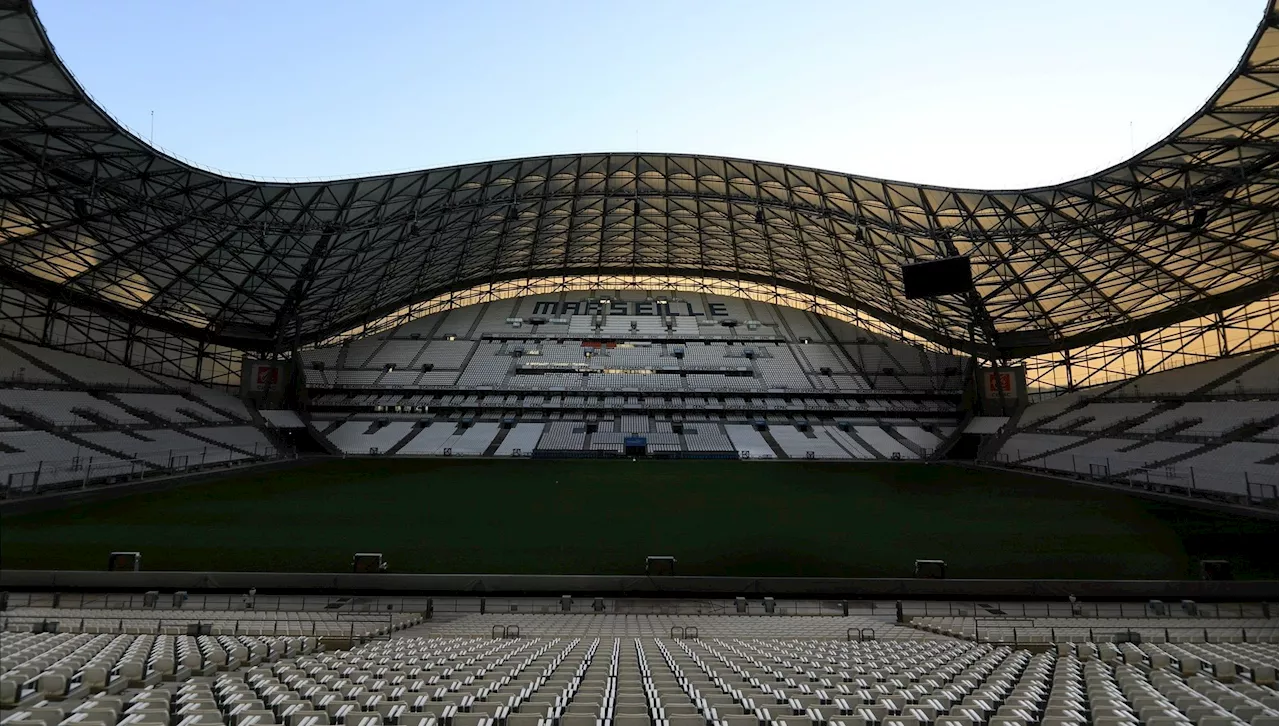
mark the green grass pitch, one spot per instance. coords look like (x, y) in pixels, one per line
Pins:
(604, 517)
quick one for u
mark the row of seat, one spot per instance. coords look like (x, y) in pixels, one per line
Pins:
(661, 682)
(1083, 629)
(59, 666)
(220, 622)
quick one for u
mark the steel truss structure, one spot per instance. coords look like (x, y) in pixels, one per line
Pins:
(1075, 276)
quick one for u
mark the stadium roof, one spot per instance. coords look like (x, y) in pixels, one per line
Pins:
(94, 216)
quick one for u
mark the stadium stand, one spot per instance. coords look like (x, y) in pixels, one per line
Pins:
(563, 436)
(163, 447)
(521, 440)
(245, 439)
(1088, 629)
(172, 408)
(748, 442)
(1196, 433)
(363, 437)
(87, 420)
(430, 439)
(81, 370)
(265, 660)
(812, 444)
(479, 363)
(114, 251)
(31, 458)
(1226, 375)
(17, 369)
(707, 438)
(884, 443)
(282, 419)
(473, 440)
(65, 408)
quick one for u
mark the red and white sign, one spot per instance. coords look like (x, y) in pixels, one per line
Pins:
(262, 375)
(999, 383)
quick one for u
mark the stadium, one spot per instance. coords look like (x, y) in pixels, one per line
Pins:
(631, 439)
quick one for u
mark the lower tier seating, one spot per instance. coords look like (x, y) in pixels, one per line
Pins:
(630, 681)
(454, 436)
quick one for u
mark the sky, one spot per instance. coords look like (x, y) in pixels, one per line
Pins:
(990, 94)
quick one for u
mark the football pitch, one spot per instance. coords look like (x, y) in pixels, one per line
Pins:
(807, 519)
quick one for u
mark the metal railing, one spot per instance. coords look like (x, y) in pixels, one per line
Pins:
(1214, 395)
(365, 606)
(1203, 481)
(18, 380)
(88, 468)
(83, 422)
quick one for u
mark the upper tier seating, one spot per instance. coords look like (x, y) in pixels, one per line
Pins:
(445, 353)
(1184, 380)
(17, 369)
(59, 408)
(222, 401)
(1215, 417)
(328, 357)
(708, 350)
(1104, 415)
(494, 319)
(400, 353)
(1262, 377)
(171, 407)
(89, 371)
(798, 323)
(282, 419)
(1048, 409)
(212, 398)
(819, 356)
(459, 321)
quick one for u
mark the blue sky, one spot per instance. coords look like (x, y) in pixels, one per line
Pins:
(987, 94)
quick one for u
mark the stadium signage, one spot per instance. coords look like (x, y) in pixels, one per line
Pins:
(621, 307)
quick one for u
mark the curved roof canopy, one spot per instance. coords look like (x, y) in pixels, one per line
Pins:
(94, 215)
